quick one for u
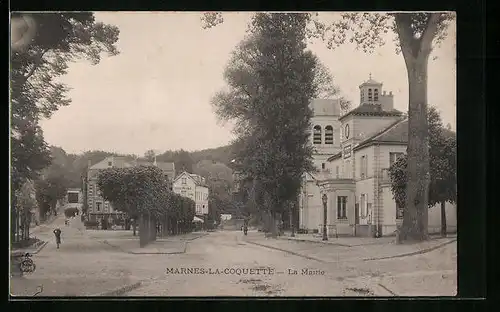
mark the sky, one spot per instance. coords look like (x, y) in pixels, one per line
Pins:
(156, 93)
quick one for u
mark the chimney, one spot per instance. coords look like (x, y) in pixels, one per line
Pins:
(387, 102)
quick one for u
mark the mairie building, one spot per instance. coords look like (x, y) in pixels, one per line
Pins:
(353, 152)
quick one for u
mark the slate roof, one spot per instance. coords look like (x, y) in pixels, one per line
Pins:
(198, 180)
(372, 110)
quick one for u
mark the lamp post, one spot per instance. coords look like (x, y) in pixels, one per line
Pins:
(324, 198)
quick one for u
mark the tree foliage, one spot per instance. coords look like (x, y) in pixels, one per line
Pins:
(181, 158)
(271, 80)
(442, 151)
(53, 40)
(144, 190)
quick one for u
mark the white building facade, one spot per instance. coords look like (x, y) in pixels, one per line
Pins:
(194, 187)
(355, 176)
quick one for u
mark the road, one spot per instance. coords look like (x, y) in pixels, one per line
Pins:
(226, 263)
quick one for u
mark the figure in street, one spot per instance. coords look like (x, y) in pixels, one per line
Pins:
(57, 233)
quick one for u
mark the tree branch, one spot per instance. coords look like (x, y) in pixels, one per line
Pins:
(35, 65)
(429, 34)
(403, 29)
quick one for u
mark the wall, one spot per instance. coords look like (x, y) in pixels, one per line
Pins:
(434, 215)
(389, 212)
(313, 211)
(367, 126)
(369, 153)
(385, 150)
(189, 187)
(202, 200)
(435, 218)
(365, 187)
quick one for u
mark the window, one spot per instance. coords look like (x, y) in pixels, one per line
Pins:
(362, 97)
(328, 135)
(393, 157)
(98, 207)
(183, 193)
(110, 163)
(375, 95)
(337, 171)
(399, 212)
(72, 198)
(370, 95)
(341, 207)
(317, 135)
(364, 208)
(363, 167)
(323, 166)
(184, 181)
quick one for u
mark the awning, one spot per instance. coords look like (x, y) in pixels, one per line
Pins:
(196, 219)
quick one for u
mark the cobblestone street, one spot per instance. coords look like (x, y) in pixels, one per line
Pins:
(86, 265)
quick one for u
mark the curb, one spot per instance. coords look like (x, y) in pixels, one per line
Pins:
(146, 253)
(286, 251)
(423, 251)
(192, 239)
(120, 290)
(40, 248)
(313, 241)
(34, 252)
(387, 289)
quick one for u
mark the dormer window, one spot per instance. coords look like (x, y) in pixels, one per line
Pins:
(375, 95)
(110, 163)
(317, 135)
(370, 98)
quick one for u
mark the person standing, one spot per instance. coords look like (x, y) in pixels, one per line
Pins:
(57, 233)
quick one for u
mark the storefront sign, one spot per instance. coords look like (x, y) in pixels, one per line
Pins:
(347, 151)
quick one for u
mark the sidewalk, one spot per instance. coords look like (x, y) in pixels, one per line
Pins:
(349, 241)
(61, 287)
(359, 249)
(126, 242)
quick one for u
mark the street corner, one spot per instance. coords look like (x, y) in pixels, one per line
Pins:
(64, 287)
(421, 283)
(157, 247)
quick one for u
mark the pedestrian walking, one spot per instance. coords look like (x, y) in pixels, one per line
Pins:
(57, 233)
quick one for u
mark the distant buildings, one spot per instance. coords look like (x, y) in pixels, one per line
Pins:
(74, 198)
(193, 186)
(98, 208)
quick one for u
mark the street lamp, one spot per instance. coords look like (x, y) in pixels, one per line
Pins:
(324, 198)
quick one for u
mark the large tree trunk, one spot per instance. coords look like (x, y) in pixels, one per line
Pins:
(443, 219)
(416, 53)
(415, 218)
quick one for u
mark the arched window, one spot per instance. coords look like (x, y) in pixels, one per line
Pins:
(370, 98)
(375, 95)
(317, 135)
(328, 135)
